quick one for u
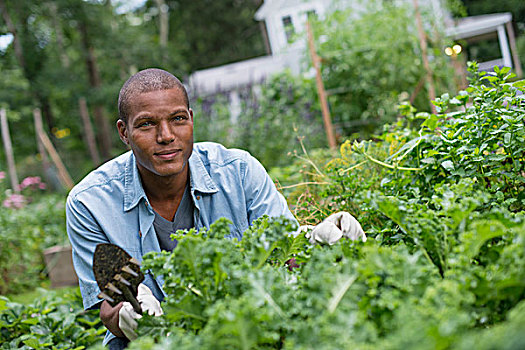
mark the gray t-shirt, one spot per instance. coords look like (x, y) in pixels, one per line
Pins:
(183, 220)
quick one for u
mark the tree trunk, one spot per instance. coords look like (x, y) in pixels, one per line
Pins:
(20, 57)
(41, 149)
(47, 113)
(63, 174)
(163, 22)
(163, 27)
(59, 35)
(88, 131)
(9, 151)
(327, 120)
(104, 133)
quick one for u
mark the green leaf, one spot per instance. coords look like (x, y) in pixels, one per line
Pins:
(30, 321)
(490, 78)
(454, 101)
(34, 343)
(519, 84)
(428, 160)
(496, 157)
(431, 122)
(506, 138)
(448, 165)
(3, 304)
(339, 291)
(406, 148)
(482, 231)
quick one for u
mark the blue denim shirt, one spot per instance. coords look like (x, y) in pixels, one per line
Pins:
(110, 206)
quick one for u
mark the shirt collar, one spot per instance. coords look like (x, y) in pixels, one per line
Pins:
(133, 190)
(200, 180)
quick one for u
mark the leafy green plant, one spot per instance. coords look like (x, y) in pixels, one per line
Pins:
(443, 266)
(372, 60)
(347, 295)
(30, 222)
(50, 322)
(282, 107)
(208, 268)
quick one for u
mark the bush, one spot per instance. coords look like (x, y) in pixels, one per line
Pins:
(271, 117)
(241, 295)
(50, 322)
(372, 59)
(30, 222)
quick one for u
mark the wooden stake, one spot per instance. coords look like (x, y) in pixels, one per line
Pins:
(320, 89)
(42, 152)
(9, 151)
(423, 44)
(63, 175)
(88, 131)
(514, 49)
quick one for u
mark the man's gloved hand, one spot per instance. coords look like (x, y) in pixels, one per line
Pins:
(334, 227)
(127, 316)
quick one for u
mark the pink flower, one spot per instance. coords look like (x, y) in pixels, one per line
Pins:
(32, 182)
(29, 181)
(15, 201)
(2, 175)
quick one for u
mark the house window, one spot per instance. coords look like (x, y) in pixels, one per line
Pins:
(288, 28)
(311, 14)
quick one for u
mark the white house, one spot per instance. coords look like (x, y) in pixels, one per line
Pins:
(478, 28)
(284, 19)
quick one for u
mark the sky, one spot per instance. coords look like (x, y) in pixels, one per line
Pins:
(127, 5)
(5, 40)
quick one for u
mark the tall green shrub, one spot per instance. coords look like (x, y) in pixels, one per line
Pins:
(372, 60)
(272, 116)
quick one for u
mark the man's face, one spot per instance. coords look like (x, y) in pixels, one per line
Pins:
(159, 131)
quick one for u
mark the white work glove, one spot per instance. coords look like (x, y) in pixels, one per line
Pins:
(334, 227)
(127, 316)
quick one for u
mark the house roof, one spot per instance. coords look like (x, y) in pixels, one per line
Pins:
(477, 25)
(237, 75)
(274, 6)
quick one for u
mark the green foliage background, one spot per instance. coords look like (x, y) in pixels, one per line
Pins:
(440, 196)
(442, 268)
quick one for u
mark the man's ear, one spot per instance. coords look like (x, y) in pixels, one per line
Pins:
(191, 115)
(122, 131)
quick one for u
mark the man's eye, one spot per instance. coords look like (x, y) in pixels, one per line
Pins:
(179, 118)
(144, 124)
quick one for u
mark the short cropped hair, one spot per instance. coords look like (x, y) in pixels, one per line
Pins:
(147, 80)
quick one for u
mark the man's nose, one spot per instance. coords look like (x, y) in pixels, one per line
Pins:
(165, 133)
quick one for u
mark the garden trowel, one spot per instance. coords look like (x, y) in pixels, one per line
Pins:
(117, 274)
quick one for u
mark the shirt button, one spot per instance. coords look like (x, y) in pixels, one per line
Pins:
(198, 197)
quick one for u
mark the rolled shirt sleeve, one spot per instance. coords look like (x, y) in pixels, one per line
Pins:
(84, 234)
(262, 196)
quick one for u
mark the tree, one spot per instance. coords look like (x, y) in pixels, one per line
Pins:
(27, 48)
(210, 33)
(373, 61)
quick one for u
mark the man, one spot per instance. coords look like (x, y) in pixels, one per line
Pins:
(165, 183)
